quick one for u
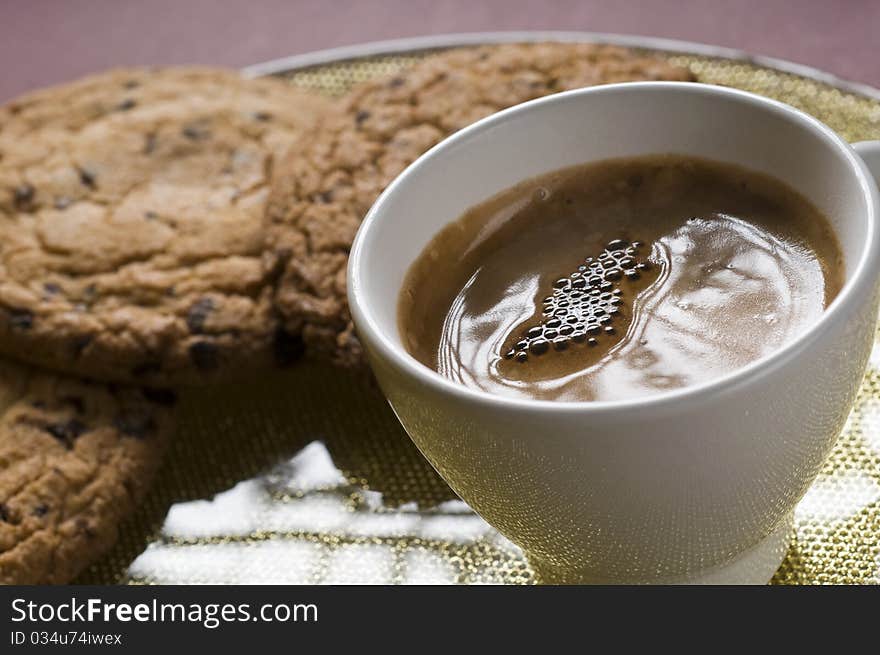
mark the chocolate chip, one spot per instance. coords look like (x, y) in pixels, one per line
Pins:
(84, 527)
(326, 197)
(41, 510)
(361, 116)
(151, 215)
(204, 355)
(87, 177)
(4, 513)
(135, 423)
(395, 82)
(262, 116)
(24, 196)
(198, 313)
(78, 404)
(288, 348)
(195, 132)
(80, 343)
(131, 84)
(21, 319)
(164, 397)
(126, 104)
(67, 431)
(146, 369)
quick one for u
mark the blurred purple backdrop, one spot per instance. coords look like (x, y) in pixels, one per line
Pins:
(45, 41)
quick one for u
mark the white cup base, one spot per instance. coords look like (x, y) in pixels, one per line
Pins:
(755, 566)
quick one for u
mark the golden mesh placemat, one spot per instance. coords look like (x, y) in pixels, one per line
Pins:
(334, 490)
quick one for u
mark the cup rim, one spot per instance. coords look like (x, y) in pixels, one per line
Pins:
(395, 353)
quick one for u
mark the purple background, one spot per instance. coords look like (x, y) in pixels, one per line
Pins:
(45, 41)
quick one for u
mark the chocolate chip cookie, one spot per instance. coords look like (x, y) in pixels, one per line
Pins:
(323, 188)
(75, 459)
(131, 235)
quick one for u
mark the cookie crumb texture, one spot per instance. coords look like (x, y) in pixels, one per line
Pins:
(323, 188)
(131, 224)
(75, 459)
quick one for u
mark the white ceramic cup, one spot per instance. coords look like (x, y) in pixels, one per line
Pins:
(692, 485)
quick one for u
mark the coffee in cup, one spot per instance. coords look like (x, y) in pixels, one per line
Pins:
(619, 279)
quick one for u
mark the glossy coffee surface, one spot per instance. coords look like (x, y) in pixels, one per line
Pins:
(619, 279)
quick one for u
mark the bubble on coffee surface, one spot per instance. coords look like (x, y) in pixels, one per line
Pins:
(582, 307)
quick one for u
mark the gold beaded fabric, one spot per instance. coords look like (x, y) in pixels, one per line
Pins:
(308, 478)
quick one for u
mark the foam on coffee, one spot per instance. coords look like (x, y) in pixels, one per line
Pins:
(619, 279)
(583, 305)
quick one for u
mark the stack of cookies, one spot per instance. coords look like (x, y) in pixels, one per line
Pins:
(167, 228)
